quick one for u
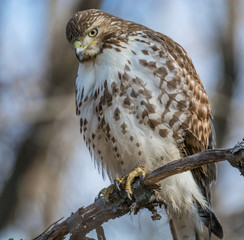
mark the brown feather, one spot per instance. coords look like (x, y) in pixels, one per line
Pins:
(195, 132)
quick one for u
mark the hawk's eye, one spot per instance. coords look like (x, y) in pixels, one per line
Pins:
(93, 32)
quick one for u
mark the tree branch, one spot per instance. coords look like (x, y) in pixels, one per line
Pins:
(145, 195)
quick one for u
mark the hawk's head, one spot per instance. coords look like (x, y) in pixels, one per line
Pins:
(88, 31)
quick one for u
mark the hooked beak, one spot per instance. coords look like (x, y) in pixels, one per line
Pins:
(79, 49)
(79, 52)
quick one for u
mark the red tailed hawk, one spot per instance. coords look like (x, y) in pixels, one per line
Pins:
(141, 105)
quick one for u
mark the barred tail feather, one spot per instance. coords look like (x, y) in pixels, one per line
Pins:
(185, 226)
(209, 219)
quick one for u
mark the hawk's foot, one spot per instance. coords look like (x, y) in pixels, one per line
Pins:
(128, 179)
(106, 192)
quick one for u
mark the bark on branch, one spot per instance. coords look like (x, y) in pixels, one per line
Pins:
(145, 195)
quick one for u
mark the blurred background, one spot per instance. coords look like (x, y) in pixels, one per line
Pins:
(45, 170)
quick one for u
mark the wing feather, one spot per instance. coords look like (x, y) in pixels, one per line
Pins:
(199, 134)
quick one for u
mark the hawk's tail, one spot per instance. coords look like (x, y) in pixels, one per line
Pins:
(187, 226)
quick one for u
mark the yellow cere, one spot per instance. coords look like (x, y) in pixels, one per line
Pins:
(77, 44)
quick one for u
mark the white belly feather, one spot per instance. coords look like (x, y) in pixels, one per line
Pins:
(120, 139)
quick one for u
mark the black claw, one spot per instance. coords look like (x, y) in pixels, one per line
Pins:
(99, 195)
(116, 183)
(129, 196)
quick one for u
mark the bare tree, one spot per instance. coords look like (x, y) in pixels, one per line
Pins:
(228, 81)
(33, 149)
(145, 195)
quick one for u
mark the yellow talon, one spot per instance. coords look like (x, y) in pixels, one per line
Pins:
(106, 192)
(128, 179)
(125, 182)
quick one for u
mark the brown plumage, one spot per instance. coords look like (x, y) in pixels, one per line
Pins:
(141, 103)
